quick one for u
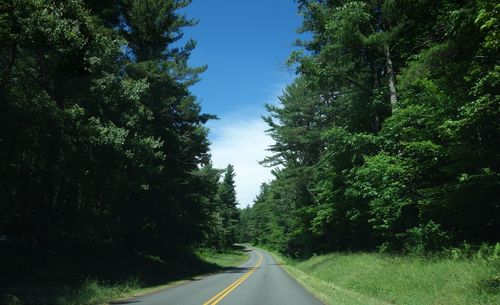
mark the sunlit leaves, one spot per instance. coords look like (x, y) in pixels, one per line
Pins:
(415, 175)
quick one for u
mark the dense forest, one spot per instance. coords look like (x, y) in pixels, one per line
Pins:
(389, 138)
(386, 143)
(101, 141)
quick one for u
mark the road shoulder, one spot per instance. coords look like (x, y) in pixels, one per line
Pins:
(317, 287)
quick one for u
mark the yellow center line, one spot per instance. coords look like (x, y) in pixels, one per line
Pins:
(219, 296)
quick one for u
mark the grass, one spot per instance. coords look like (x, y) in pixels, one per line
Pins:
(224, 259)
(98, 276)
(377, 279)
(95, 292)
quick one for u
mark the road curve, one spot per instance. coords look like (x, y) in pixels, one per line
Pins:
(259, 281)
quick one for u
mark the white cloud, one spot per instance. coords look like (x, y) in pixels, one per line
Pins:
(242, 142)
(240, 139)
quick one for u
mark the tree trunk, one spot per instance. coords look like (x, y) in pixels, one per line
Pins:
(390, 76)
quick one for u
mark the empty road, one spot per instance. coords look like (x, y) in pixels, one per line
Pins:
(259, 281)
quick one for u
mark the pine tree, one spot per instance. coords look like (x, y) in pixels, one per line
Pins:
(227, 202)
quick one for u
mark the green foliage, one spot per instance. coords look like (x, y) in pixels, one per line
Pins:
(101, 141)
(385, 181)
(222, 231)
(226, 200)
(388, 138)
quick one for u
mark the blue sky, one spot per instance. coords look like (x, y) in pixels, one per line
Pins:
(245, 45)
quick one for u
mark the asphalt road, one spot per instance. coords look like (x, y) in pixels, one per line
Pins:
(259, 281)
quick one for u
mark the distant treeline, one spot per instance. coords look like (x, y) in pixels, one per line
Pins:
(101, 142)
(389, 138)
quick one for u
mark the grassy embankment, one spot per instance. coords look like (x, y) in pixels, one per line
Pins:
(90, 276)
(378, 279)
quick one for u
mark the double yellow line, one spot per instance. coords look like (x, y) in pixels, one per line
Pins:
(218, 297)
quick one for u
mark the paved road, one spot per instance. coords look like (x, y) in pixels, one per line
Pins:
(259, 281)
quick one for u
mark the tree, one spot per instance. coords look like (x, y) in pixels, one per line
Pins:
(227, 207)
(101, 140)
(386, 138)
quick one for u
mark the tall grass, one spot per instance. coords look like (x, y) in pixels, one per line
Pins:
(372, 278)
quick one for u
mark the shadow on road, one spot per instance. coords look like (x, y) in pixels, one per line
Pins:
(124, 302)
(236, 270)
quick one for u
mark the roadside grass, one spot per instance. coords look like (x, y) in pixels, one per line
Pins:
(98, 276)
(230, 258)
(95, 292)
(378, 279)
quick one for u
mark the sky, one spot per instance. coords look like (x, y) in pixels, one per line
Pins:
(245, 45)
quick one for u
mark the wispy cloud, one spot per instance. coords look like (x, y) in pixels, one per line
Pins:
(239, 138)
(242, 142)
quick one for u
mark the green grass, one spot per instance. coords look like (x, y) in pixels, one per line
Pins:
(95, 292)
(98, 276)
(376, 279)
(225, 259)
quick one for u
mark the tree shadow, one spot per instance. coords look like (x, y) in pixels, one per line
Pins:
(40, 276)
(236, 269)
(124, 302)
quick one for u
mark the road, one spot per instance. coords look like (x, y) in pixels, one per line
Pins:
(259, 281)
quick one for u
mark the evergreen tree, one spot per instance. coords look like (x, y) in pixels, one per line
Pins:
(101, 141)
(386, 138)
(228, 211)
